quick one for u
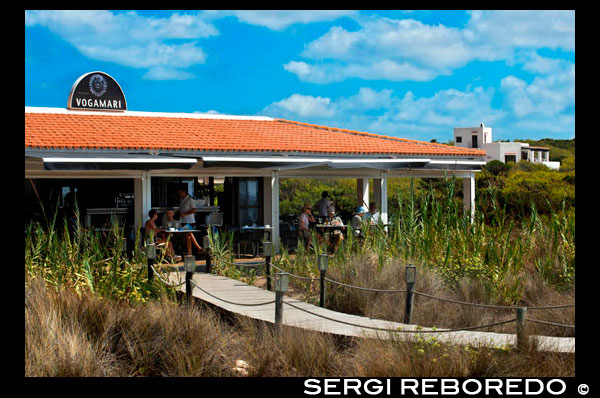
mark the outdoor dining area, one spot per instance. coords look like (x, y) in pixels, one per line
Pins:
(124, 166)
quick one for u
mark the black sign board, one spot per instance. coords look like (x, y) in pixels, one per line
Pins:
(97, 91)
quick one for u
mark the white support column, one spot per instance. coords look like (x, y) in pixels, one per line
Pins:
(142, 199)
(469, 195)
(383, 197)
(267, 201)
(275, 210)
(362, 192)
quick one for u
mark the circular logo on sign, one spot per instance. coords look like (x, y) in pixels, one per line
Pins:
(97, 85)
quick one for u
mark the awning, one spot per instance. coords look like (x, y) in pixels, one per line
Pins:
(286, 163)
(113, 162)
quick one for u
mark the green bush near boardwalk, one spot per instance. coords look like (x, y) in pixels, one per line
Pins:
(85, 260)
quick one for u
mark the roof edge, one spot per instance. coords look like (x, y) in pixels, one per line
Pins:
(64, 111)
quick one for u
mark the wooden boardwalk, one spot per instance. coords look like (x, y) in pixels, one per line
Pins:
(231, 295)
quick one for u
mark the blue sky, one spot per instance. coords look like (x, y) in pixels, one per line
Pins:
(410, 74)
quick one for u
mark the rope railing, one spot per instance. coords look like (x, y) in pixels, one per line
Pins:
(231, 302)
(162, 280)
(502, 307)
(367, 288)
(550, 323)
(401, 330)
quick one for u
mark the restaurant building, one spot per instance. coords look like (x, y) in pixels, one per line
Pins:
(123, 163)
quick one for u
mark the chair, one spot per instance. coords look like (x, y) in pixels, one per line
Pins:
(160, 247)
(215, 219)
(247, 238)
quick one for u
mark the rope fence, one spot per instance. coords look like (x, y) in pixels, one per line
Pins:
(400, 330)
(162, 280)
(231, 302)
(281, 282)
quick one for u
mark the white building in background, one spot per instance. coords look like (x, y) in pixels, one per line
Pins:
(481, 138)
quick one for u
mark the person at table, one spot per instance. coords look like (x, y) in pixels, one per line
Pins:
(304, 221)
(186, 216)
(373, 215)
(169, 220)
(337, 237)
(357, 220)
(156, 235)
(323, 204)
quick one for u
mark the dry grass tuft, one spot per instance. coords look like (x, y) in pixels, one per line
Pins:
(71, 335)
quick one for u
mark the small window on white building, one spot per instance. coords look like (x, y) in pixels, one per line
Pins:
(458, 139)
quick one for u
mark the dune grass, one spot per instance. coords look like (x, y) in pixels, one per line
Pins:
(82, 335)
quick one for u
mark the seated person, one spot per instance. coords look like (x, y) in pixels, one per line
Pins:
(168, 220)
(337, 235)
(357, 220)
(304, 221)
(155, 235)
(373, 215)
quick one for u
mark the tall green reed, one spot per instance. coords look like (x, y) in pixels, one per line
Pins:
(431, 229)
(84, 259)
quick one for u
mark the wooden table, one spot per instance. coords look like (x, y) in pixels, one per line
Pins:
(329, 229)
(266, 230)
(180, 231)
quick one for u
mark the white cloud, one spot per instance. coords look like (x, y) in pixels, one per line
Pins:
(130, 39)
(367, 99)
(545, 95)
(524, 28)
(167, 73)
(281, 19)
(408, 116)
(304, 106)
(406, 49)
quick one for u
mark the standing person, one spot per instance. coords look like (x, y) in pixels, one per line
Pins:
(373, 215)
(323, 204)
(304, 221)
(186, 216)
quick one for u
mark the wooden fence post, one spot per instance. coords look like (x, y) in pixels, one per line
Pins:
(411, 274)
(268, 250)
(150, 255)
(189, 264)
(207, 248)
(281, 285)
(522, 338)
(323, 263)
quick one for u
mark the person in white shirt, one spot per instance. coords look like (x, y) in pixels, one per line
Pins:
(373, 215)
(186, 216)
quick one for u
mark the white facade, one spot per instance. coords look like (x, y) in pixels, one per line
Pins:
(481, 138)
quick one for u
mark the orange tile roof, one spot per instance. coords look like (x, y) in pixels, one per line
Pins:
(78, 130)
